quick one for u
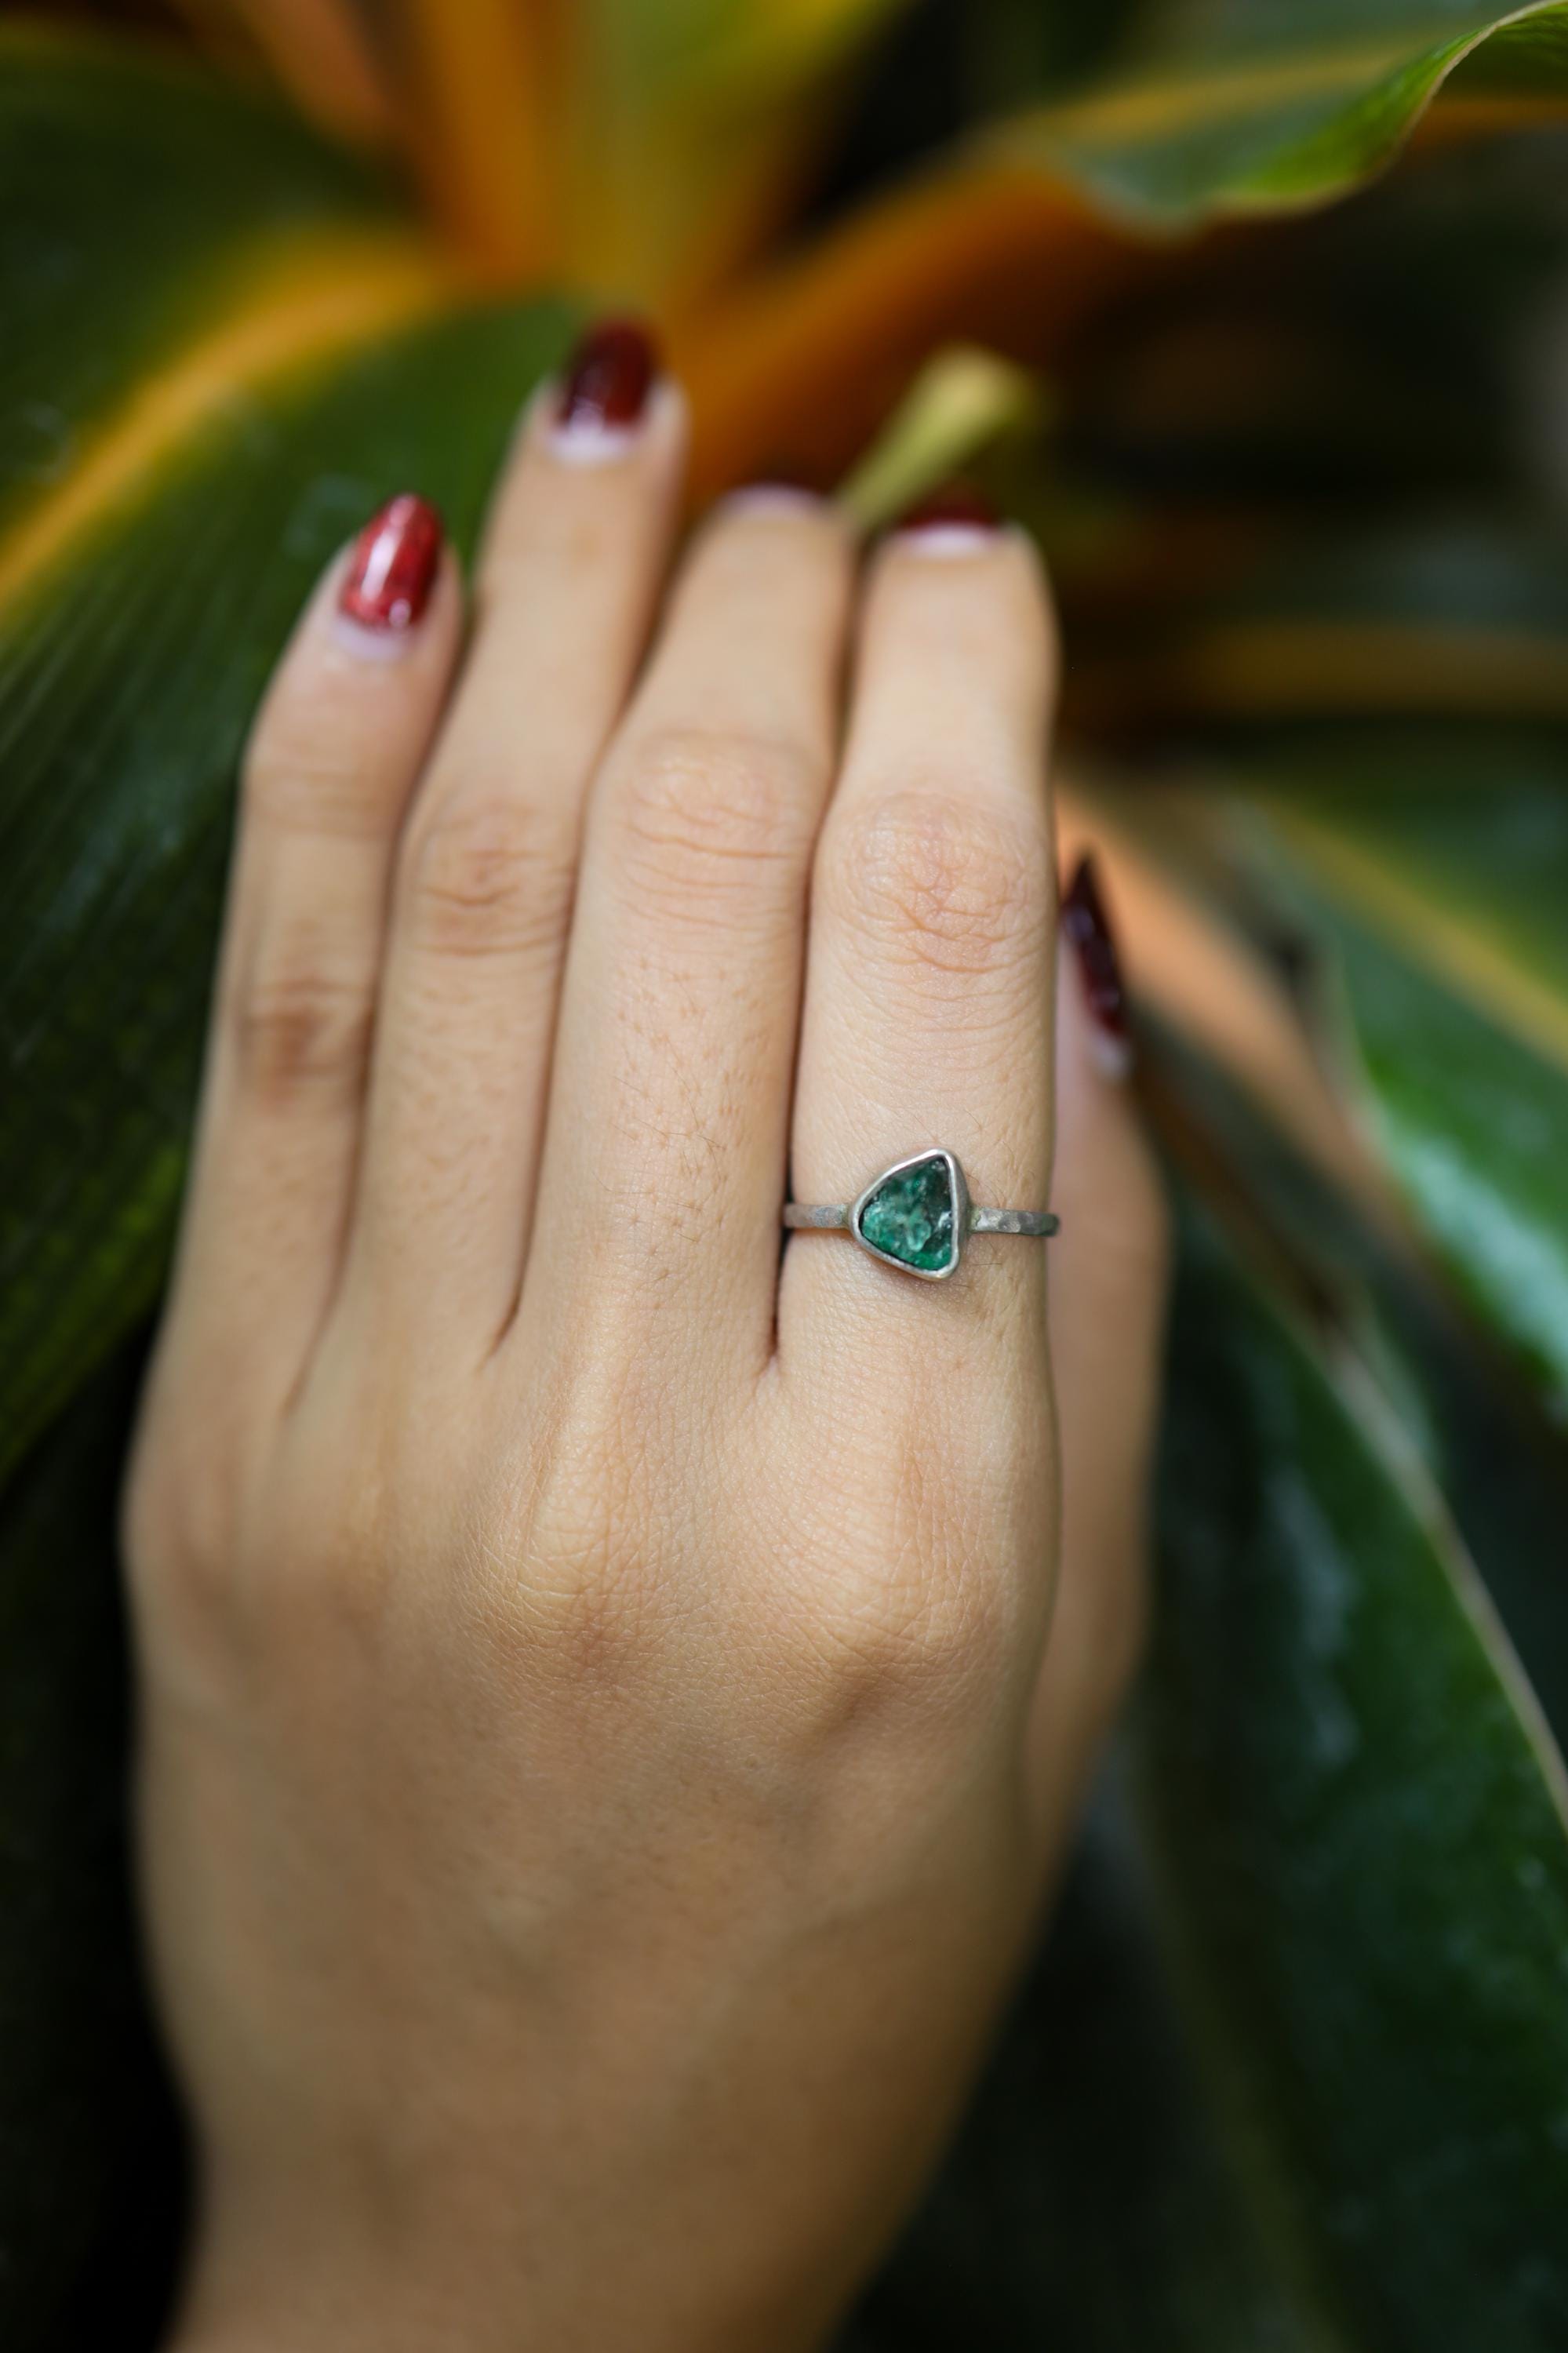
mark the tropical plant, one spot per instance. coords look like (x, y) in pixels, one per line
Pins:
(1293, 2072)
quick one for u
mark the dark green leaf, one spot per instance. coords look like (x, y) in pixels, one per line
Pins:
(89, 2175)
(124, 694)
(1091, 2200)
(1290, 2074)
(1242, 107)
(1437, 870)
(1465, 616)
(1359, 1818)
(133, 195)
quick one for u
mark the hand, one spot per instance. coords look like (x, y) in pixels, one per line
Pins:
(602, 1756)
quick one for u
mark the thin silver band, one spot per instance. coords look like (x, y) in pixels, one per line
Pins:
(835, 1218)
(917, 1216)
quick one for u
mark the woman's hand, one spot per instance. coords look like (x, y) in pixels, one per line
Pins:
(602, 1756)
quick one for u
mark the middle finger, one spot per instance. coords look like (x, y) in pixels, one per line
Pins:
(668, 1122)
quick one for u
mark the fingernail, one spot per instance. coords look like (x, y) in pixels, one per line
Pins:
(776, 496)
(956, 521)
(393, 568)
(1086, 927)
(605, 389)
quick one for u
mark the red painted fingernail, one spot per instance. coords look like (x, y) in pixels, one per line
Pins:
(958, 507)
(608, 378)
(1086, 925)
(393, 570)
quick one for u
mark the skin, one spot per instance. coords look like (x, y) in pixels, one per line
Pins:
(614, 1697)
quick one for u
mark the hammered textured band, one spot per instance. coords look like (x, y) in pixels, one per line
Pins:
(917, 1216)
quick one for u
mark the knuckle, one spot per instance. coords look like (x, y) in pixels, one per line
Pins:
(486, 874)
(936, 1603)
(964, 1635)
(942, 884)
(301, 1027)
(302, 776)
(176, 1520)
(937, 1640)
(577, 1583)
(327, 1597)
(713, 812)
(239, 1573)
(584, 1632)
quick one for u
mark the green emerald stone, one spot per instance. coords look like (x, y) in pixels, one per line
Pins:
(910, 1216)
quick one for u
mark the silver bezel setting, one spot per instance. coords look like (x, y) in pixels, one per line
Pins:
(960, 1196)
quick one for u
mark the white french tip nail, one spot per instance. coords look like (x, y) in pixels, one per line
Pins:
(782, 499)
(1112, 1056)
(585, 442)
(367, 645)
(948, 541)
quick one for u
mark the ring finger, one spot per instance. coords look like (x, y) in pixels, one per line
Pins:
(929, 998)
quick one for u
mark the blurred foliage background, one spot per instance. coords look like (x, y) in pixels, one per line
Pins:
(1257, 311)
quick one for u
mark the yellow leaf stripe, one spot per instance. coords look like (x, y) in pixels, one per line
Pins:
(800, 366)
(1174, 103)
(771, 48)
(297, 305)
(488, 125)
(1171, 102)
(320, 51)
(1261, 667)
(1461, 953)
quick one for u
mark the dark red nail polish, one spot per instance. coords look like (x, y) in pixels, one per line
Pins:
(956, 507)
(1085, 923)
(609, 376)
(393, 566)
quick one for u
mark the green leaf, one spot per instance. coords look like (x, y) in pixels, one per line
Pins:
(1436, 870)
(1242, 108)
(1091, 2200)
(135, 197)
(221, 435)
(1289, 2072)
(695, 113)
(1359, 1821)
(90, 2161)
(961, 403)
(1478, 1430)
(125, 695)
(1464, 618)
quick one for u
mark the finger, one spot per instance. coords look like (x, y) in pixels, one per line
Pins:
(669, 1120)
(1107, 1299)
(928, 1015)
(331, 764)
(573, 558)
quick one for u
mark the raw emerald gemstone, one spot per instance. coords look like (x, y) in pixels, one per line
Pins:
(910, 1216)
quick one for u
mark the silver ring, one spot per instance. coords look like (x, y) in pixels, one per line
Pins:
(917, 1216)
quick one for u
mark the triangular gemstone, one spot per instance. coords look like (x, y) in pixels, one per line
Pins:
(908, 1216)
